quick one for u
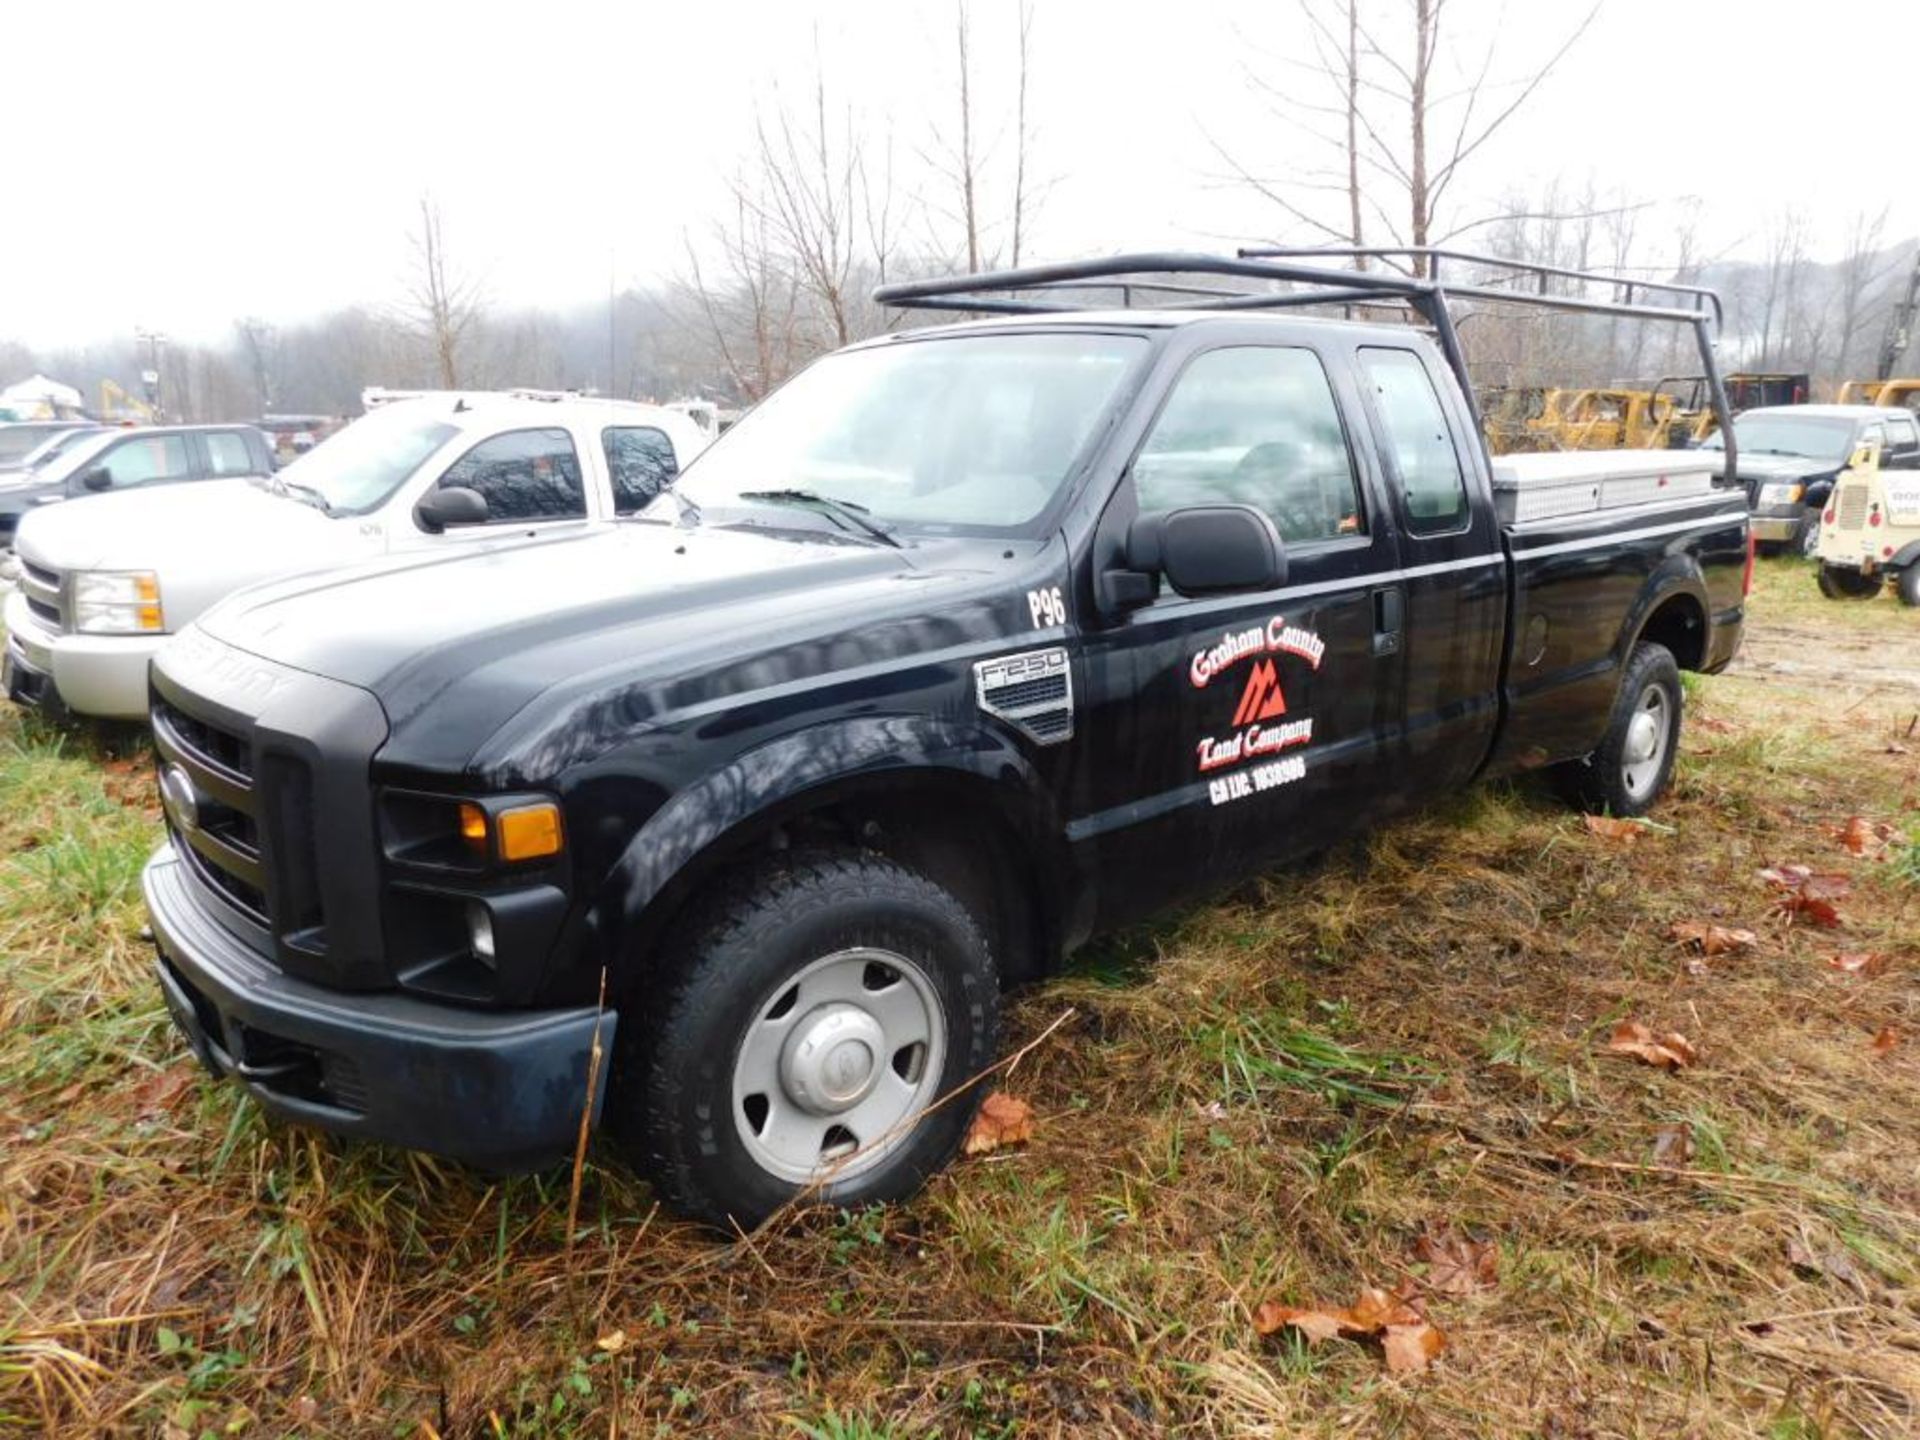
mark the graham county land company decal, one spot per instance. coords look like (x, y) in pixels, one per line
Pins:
(1261, 730)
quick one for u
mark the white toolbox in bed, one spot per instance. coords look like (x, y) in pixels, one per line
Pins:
(1572, 482)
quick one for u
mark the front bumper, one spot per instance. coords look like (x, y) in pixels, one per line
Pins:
(1777, 524)
(499, 1089)
(104, 675)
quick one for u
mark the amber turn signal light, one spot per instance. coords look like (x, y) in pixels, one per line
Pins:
(473, 827)
(529, 832)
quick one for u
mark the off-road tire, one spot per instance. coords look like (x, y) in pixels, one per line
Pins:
(671, 1101)
(1907, 587)
(1838, 583)
(1598, 784)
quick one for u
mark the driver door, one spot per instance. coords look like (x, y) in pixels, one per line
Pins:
(1229, 733)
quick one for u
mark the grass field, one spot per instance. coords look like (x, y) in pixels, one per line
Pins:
(1271, 1098)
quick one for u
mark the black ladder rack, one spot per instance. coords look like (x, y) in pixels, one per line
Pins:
(1334, 275)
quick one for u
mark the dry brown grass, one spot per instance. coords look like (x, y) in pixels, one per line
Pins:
(1268, 1097)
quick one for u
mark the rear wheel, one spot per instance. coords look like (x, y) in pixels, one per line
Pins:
(818, 1007)
(1839, 583)
(1633, 763)
(1908, 586)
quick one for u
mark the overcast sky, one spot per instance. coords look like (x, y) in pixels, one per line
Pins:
(174, 165)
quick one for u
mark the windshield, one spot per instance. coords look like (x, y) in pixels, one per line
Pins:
(963, 433)
(1812, 437)
(357, 468)
(17, 440)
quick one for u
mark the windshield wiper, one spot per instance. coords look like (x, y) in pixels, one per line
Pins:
(305, 494)
(689, 511)
(848, 513)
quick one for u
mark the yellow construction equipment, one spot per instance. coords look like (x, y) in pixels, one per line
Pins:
(1904, 393)
(117, 405)
(1529, 418)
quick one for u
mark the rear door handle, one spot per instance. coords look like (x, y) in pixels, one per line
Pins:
(1389, 619)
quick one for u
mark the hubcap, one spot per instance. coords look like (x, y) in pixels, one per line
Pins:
(1646, 748)
(837, 1064)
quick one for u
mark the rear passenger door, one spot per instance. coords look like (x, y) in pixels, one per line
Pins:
(1454, 569)
(1226, 733)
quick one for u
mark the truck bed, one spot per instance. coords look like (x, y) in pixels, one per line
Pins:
(1576, 589)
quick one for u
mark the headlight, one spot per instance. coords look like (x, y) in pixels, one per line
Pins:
(1782, 492)
(118, 602)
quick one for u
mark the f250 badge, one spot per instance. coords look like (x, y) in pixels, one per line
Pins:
(1261, 728)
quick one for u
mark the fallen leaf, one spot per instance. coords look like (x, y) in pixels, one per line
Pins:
(162, 1089)
(1858, 962)
(1459, 1264)
(1707, 722)
(1894, 747)
(1671, 1051)
(1786, 877)
(1673, 1146)
(1861, 836)
(1817, 909)
(305, 1409)
(1003, 1120)
(1839, 1265)
(613, 1342)
(1619, 832)
(1411, 1348)
(1884, 1042)
(1316, 1325)
(1710, 939)
(1406, 1337)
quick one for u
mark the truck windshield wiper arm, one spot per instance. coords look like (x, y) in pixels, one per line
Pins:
(850, 514)
(306, 494)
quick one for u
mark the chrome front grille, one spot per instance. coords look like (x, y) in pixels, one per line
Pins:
(45, 593)
(1853, 507)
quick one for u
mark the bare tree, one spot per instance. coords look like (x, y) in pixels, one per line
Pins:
(1862, 268)
(1396, 72)
(749, 309)
(1023, 137)
(444, 305)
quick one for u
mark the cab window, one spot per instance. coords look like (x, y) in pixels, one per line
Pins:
(227, 453)
(1254, 425)
(1419, 444)
(640, 462)
(145, 461)
(523, 475)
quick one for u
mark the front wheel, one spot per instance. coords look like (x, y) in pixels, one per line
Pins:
(817, 1009)
(1839, 583)
(1633, 763)
(1806, 539)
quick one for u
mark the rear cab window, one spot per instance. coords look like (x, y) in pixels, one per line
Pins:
(1418, 442)
(640, 464)
(229, 454)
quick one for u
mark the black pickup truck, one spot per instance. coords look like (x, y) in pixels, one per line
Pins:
(967, 644)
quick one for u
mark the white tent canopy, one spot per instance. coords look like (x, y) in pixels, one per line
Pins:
(41, 398)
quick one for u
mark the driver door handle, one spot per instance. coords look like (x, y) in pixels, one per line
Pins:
(1389, 619)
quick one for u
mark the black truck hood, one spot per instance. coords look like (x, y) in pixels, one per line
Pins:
(644, 618)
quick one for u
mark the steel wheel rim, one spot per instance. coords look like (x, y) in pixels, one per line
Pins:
(1649, 733)
(837, 1063)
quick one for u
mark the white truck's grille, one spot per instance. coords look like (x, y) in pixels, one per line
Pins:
(1853, 507)
(43, 590)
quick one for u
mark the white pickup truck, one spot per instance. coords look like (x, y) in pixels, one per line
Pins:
(101, 584)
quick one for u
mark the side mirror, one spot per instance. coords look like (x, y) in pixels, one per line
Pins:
(96, 479)
(1209, 549)
(450, 505)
